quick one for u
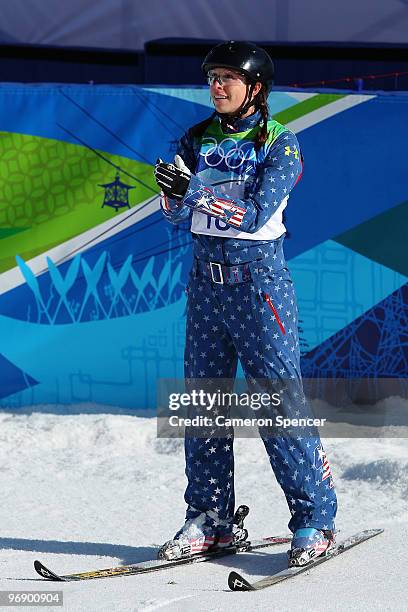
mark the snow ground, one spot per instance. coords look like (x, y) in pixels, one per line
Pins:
(87, 491)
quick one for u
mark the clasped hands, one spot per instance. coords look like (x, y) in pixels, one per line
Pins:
(173, 179)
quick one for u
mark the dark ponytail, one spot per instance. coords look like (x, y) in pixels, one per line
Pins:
(262, 106)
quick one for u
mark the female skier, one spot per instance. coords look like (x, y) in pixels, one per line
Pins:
(232, 176)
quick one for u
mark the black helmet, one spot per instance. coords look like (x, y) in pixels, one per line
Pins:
(246, 57)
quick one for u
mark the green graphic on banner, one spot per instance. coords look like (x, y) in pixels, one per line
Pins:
(51, 191)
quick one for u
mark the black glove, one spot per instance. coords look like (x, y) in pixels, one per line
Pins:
(171, 179)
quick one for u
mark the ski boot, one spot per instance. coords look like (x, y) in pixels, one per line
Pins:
(198, 536)
(308, 544)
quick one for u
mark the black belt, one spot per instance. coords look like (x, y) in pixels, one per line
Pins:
(222, 274)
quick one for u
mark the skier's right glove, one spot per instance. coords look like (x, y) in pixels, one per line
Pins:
(169, 205)
(173, 179)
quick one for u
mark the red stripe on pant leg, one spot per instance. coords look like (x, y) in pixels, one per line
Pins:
(269, 301)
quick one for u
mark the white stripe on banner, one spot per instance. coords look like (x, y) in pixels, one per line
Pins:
(325, 112)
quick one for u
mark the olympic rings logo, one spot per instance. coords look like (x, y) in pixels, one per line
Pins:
(233, 158)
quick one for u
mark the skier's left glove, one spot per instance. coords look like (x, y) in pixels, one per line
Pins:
(173, 179)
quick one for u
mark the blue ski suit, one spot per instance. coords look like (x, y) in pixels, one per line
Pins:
(241, 304)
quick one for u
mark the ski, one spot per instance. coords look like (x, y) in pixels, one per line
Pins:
(158, 564)
(236, 582)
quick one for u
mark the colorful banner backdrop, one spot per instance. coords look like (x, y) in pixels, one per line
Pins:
(92, 278)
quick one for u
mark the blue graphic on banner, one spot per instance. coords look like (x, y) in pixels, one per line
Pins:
(374, 345)
(114, 361)
(335, 285)
(12, 379)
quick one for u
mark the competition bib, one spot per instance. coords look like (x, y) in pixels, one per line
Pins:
(229, 163)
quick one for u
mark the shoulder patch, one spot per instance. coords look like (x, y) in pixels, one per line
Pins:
(275, 129)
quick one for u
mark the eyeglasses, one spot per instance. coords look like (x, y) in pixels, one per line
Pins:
(224, 79)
